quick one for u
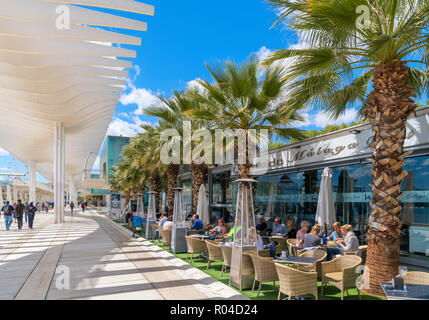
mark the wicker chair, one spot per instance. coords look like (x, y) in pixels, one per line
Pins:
(291, 244)
(191, 232)
(154, 228)
(195, 245)
(341, 272)
(227, 255)
(320, 255)
(282, 244)
(294, 282)
(264, 253)
(417, 277)
(166, 237)
(265, 271)
(215, 252)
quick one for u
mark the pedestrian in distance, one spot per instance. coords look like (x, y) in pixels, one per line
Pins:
(26, 211)
(71, 207)
(7, 213)
(31, 213)
(19, 211)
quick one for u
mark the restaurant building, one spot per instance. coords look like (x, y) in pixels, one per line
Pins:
(290, 187)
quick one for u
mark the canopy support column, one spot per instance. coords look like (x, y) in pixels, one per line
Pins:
(59, 166)
(32, 184)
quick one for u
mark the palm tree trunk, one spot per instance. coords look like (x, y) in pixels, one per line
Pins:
(172, 172)
(388, 108)
(199, 172)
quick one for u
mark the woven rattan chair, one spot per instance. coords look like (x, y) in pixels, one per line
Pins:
(320, 255)
(166, 237)
(417, 277)
(227, 255)
(191, 232)
(214, 252)
(154, 228)
(282, 244)
(291, 244)
(341, 272)
(195, 245)
(264, 253)
(265, 271)
(294, 282)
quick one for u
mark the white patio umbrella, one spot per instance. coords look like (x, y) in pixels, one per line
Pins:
(325, 214)
(202, 205)
(164, 202)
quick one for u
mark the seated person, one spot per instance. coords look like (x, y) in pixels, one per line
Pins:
(234, 229)
(312, 239)
(350, 243)
(219, 231)
(291, 229)
(197, 223)
(337, 233)
(228, 217)
(279, 229)
(162, 220)
(301, 232)
(190, 215)
(213, 220)
(261, 226)
(168, 225)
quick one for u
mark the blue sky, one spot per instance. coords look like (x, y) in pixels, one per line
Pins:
(183, 36)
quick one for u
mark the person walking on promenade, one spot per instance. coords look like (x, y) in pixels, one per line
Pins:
(26, 211)
(19, 211)
(83, 206)
(47, 207)
(7, 213)
(31, 213)
(71, 207)
(13, 213)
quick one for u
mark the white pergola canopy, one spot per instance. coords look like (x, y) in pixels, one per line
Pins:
(71, 77)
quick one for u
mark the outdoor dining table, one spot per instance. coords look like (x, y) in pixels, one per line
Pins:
(297, 260)
(411, 292)
(201, 236)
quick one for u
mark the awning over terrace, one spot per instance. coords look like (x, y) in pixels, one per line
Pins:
(59, 87)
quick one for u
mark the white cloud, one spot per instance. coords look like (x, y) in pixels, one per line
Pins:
(321, 120)
(119, 127)
(142, 97)
(306, 120)
(193, 84)
(3, 152)
(263, 53)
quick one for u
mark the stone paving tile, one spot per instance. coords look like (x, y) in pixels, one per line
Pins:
(104, 263)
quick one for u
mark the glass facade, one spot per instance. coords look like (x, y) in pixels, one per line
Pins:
(187, 195)
(295, 195)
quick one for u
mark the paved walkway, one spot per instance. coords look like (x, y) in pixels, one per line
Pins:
(91, 257)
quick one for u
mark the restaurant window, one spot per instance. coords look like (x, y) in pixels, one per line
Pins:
(187, 195)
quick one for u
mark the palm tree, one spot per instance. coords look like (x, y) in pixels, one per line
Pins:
(345, 58)
(245, 97)
(173, 112)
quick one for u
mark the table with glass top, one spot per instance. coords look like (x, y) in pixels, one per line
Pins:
(410, 292)
(297, 260)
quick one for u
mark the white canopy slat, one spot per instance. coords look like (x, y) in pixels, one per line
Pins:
(38, 30)
(39, 11)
